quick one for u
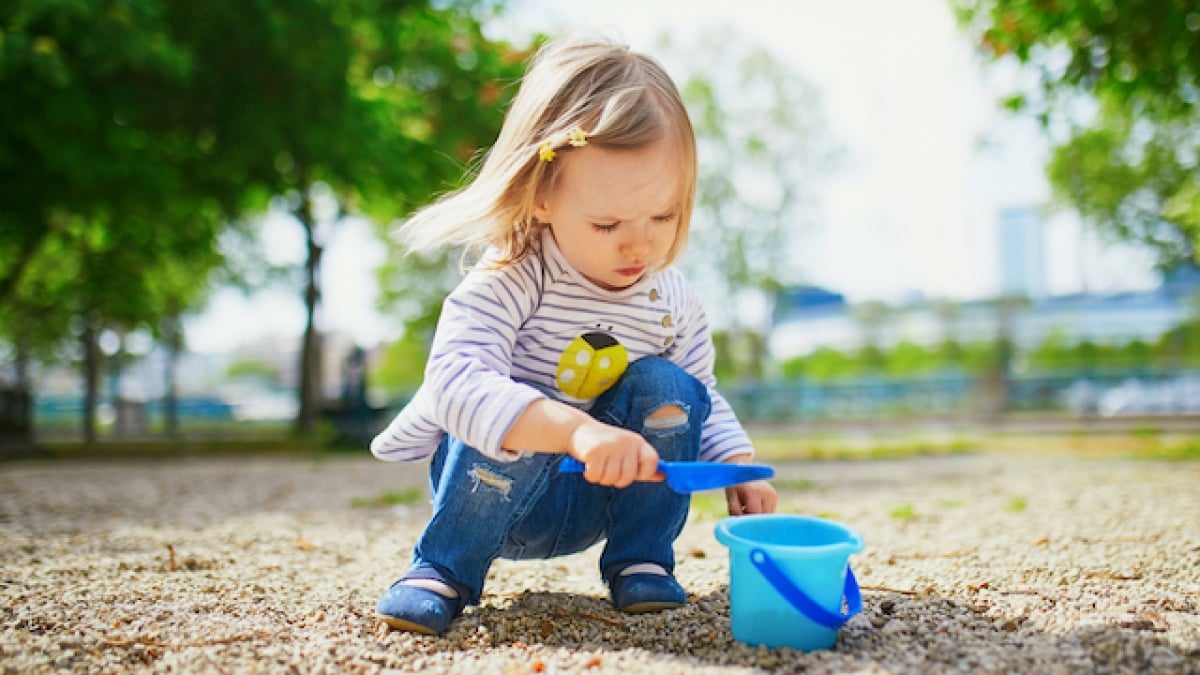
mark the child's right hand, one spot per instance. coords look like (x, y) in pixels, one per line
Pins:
(613, 456)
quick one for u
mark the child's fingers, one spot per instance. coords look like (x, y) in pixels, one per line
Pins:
(627, 471)
(647, 464)
(734, 500)
(759, 498)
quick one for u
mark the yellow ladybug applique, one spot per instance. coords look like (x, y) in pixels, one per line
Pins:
(590, 365)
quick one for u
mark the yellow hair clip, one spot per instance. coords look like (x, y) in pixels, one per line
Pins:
(576, 138)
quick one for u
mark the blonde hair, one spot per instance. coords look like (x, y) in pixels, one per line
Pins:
(623, 100)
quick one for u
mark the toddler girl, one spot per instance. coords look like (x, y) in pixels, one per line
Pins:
(571, 335)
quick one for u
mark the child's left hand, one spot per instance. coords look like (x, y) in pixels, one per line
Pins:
(754, 497)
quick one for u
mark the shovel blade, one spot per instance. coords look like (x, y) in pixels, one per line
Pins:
(688, 477)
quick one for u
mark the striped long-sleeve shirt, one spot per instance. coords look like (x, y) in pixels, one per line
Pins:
(538, 328)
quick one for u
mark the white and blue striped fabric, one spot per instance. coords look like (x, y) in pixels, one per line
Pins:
(504, 338)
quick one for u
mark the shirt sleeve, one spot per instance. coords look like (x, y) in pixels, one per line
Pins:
(412, 435)
(722, 436)
(468, 390)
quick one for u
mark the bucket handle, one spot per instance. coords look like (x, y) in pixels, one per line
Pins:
(800, 600)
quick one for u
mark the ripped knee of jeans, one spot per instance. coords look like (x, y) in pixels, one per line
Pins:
(482, 475)
(668, 417)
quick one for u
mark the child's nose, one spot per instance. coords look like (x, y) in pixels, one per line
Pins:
(638, 244)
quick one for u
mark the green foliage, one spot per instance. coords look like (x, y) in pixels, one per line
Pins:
(764, 148)
(463, 89)
(1177, 348)
(823, 365)
(1128, 159)
(1180, 346)
(413, 286)
(252, 369)
(770, 448)
(401, 367)
(908, 358)
(903, 360)
(793, 484)
(389, 498)
(740, 355)
(709, 505)
(1187, 450)
(133, 136)
(1017, 504)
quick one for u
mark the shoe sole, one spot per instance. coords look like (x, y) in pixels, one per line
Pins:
(405, 625)
(647, 607)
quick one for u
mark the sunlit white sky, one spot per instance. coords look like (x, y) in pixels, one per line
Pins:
(928, 160)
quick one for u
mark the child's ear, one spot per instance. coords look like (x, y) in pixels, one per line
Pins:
(542, 212)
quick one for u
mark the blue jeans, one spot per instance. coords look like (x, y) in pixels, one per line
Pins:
(484, 509)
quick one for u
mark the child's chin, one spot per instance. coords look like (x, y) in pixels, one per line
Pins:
(615, 284)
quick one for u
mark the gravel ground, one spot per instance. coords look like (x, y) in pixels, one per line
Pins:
(977, 563)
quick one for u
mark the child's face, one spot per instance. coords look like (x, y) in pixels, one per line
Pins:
(615, 213)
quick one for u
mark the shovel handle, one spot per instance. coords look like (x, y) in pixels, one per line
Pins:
(571, 465)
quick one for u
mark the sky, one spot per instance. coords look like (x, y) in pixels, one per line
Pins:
(928, 159)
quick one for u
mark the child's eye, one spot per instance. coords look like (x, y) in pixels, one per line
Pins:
(605, 227)
(665, 218)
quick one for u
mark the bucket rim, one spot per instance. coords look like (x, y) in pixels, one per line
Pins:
(726, 535)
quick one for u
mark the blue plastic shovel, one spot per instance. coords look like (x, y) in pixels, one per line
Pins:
(687, 477)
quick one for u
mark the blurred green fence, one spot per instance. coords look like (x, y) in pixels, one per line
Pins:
(1101, 392)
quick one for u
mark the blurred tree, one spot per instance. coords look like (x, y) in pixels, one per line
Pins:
(1134, 354)
(423, 90)
(88, 186)
(996, 383)
(979, 359)
(1053, 354)
(256, 370)
(400, 369)
(412, 287)
(763, 148)
(871, 317)
(379, 109)
(741, 355)
(1117, 93)
(949, 350)
(463, 82)
(823, 365)
(1088, 356)
(131, 134)
(909, 358)
(1179, 347)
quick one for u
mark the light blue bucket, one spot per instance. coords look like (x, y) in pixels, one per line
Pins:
(789, 579)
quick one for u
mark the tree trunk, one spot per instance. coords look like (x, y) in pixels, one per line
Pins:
(91, 379)
(25, 383)
(172, 340)
(124, 421)
(16, 406)
(310, 362)
(1000, 378)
